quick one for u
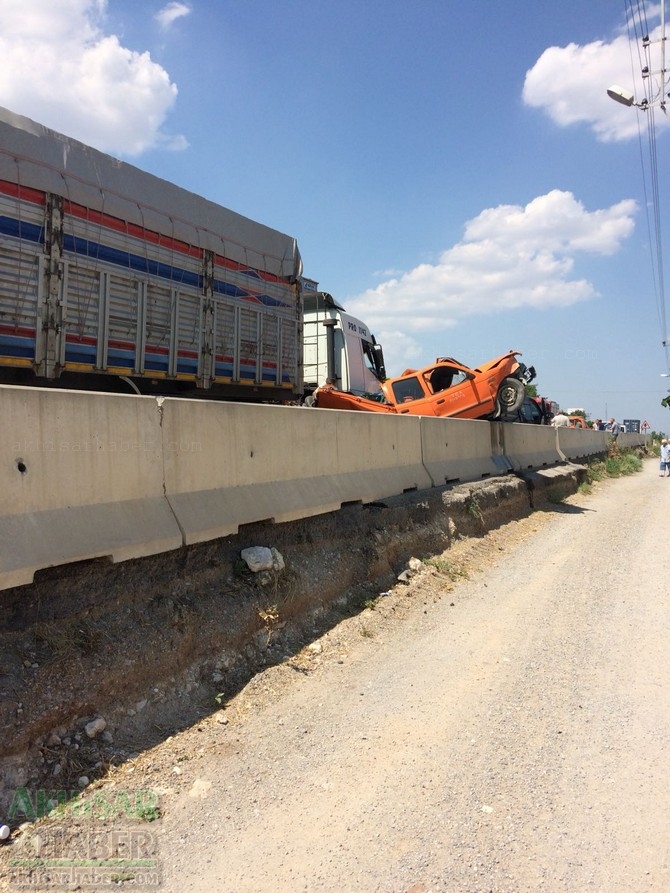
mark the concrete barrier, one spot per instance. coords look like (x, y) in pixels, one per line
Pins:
(577, 443)
(230, 464)
(80, 477)
(461, 450)
(86, 475)
(581, 443)
(633, 440)
(531, 446)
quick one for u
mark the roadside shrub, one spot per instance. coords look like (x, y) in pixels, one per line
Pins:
(595, 471)
(630, 463)
(612, 467)
(616, 463)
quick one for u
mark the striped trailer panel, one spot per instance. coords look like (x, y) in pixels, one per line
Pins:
(107, 269)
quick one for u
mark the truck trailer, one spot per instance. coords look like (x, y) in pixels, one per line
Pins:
(114, 279)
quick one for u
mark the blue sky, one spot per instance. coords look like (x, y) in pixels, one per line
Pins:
(454, 173)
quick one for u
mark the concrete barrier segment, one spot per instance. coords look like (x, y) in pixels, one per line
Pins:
(81, 476)
(229, 464)
(634, 440)
(461, 450)
(582, 443)
(530, 446)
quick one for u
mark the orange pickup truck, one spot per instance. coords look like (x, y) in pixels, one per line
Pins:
(446, 388)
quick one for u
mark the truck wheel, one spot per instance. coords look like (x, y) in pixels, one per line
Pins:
(511, 394)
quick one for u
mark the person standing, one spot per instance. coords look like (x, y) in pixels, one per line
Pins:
(665, 459)
(615, 429)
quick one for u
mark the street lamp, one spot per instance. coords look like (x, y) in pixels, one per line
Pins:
(618, 94)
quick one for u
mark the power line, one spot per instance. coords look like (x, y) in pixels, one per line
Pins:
(638, 21)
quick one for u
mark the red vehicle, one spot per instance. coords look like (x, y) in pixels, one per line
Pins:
(446, 388)
(549, 408)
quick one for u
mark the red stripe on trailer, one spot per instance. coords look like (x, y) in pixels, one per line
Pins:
(75, 338)
(130, 229)
(234, 265)
(17, 331)
(24, 193)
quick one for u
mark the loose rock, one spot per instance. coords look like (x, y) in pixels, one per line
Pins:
(262, 558)
(95, 727)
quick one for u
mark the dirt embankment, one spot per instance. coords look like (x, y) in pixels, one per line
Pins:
(148, 645)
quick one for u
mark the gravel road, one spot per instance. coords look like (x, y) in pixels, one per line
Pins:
(511, 735)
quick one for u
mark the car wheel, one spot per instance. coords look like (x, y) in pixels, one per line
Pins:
(510, 397)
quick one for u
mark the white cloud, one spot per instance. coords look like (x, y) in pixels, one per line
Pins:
(61, 68)
(570, 84)
(401, 349)
(511, 257)
(170, 13)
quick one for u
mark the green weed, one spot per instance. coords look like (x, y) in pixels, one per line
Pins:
(148, 812)
(630, 463)
(447, 568)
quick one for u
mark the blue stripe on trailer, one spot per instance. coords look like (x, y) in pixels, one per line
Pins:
(80, 353)
(17, 346)
(156, 365)
(96, 251)
(21, 229)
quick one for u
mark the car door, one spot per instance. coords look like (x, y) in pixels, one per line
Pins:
(464, 397)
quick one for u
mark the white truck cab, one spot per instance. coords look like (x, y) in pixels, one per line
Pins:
(338, 348)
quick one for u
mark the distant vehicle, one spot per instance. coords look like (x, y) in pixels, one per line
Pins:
(445, 388)
(577, 421)
(533, 411)
(607, 426)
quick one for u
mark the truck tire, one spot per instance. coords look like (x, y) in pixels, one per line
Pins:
(510, 397)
